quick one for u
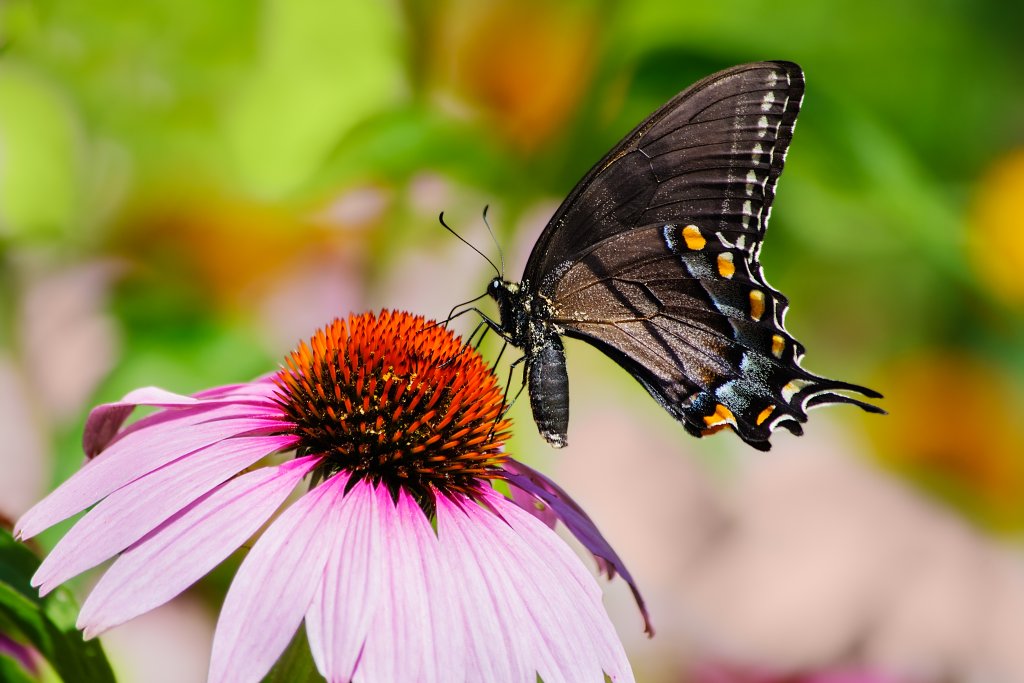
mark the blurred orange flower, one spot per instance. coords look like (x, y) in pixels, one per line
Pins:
(231, 248)
(525, 63)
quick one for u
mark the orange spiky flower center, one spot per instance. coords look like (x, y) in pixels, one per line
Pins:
(395, 399)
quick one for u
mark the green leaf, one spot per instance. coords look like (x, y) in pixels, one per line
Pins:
(296, 665)
(48, 624)
(11, 672)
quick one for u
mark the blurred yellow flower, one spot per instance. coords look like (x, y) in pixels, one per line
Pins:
(996, 237)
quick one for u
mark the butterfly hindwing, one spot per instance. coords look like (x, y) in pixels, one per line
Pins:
(710, 347)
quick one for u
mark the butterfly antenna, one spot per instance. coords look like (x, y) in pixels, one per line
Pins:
(460, 238)
(501, 255)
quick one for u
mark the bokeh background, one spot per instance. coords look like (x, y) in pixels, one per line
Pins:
(188, 188)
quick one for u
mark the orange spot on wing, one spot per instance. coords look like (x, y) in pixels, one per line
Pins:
(764, 415)
(694, 240)
(756, 304)
(726, 268)
(714, 430)
(778, 345)
(720, 417)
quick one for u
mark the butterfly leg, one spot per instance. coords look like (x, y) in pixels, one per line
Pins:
(508, 385)
(480, 341)
(452, 315)
(468, 344)
(501, 353)
(472, 335)
(497, 328)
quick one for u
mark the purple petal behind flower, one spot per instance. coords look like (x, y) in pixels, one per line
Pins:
(576, 521)
(23, 654)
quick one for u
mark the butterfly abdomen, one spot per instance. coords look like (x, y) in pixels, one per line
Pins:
(548, 383)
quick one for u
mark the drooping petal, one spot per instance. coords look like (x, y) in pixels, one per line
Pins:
(534, 506)
(22, 654)
(348, 596)
(547, 565)
(133, 456)
(273, 588)
(129, 513)
(405, 621)
(576, 521)
(187, 546)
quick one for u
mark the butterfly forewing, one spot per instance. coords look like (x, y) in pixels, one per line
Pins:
(710, 156)
(654, 258)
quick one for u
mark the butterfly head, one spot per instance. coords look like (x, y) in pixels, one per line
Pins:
(513, 308)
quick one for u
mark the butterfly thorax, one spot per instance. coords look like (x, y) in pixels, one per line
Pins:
(525, 315)
(526, 323)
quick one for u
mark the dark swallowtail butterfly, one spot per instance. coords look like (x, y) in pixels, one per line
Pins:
(653, 258)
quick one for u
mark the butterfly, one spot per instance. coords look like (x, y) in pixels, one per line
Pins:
(653, 259)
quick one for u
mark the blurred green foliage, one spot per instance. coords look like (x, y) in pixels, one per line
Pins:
(240, 168)
(205, 148)
(46, 624)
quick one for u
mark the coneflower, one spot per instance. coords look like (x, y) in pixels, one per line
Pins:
(404, 562)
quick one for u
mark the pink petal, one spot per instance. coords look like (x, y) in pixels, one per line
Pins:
(273, 588)
(131, 457)
(555, 556)
(262, 388)
(562, 600)
(499, 644)
(579, 524)
(406, 621)
(189, 545)
(105, 420)
(199, 414)
(442, 590)
(339, 616)
(129, 513)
